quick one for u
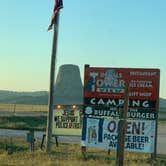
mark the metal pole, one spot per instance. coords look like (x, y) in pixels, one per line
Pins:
(51, 88)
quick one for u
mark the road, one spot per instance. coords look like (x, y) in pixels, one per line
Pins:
(161, 141)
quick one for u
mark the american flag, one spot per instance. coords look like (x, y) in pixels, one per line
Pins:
(58, 5)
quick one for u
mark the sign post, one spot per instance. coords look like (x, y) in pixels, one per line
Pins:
(153, 155)
(122, 129)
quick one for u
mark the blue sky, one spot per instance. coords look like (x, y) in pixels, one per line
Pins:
(109, 33)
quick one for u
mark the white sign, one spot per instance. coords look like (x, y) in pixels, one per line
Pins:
(102, 133)
(66, 122)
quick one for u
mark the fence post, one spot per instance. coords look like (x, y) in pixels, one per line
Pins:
(14, 109)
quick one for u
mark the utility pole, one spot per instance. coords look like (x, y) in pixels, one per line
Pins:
(51, 87)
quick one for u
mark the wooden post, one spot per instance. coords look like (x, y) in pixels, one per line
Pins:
(122, 129)
(83, 149)
(51, 88)
(154, 155)
(42, 143)
(14, 110)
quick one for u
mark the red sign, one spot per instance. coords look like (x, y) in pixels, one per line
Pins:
(109, 83)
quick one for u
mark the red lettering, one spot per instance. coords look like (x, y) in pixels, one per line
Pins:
(136, 128)
(128, 128)
(112, 126)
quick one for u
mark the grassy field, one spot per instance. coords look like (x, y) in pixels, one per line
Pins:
(23, 107)
(31, 122)
(15, 152)
(37, 123)
(23, 122)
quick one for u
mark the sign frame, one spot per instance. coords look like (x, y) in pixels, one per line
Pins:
(150, 91)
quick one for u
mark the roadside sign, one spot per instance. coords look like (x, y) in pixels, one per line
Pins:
(104, 91)
(104, 99)
(102, 133)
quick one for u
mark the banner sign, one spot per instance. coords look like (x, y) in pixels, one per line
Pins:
(102, 133)
(105, 87)
(115, 112)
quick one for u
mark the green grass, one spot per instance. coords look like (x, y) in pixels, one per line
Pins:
(15, 152)
(162, 121)
(23, 122)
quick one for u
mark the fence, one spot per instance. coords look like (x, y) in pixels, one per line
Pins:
(21, 109)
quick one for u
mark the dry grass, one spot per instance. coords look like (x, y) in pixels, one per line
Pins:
(23, 107)
(15, 152)
(23, 122)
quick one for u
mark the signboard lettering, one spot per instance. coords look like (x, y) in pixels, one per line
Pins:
(102, 133)
(104, 91)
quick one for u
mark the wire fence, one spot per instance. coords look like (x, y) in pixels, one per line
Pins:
(22, 109)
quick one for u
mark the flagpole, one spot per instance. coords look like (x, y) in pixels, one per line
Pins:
(51, 87)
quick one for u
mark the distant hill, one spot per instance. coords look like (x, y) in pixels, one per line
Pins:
(39, 98)
(33, 100)
(4, 94)
(13, 97)
(162, 103)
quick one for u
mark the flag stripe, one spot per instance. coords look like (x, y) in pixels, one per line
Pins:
(58, 5)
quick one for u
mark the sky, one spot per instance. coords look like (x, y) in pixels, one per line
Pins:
(108, 33)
